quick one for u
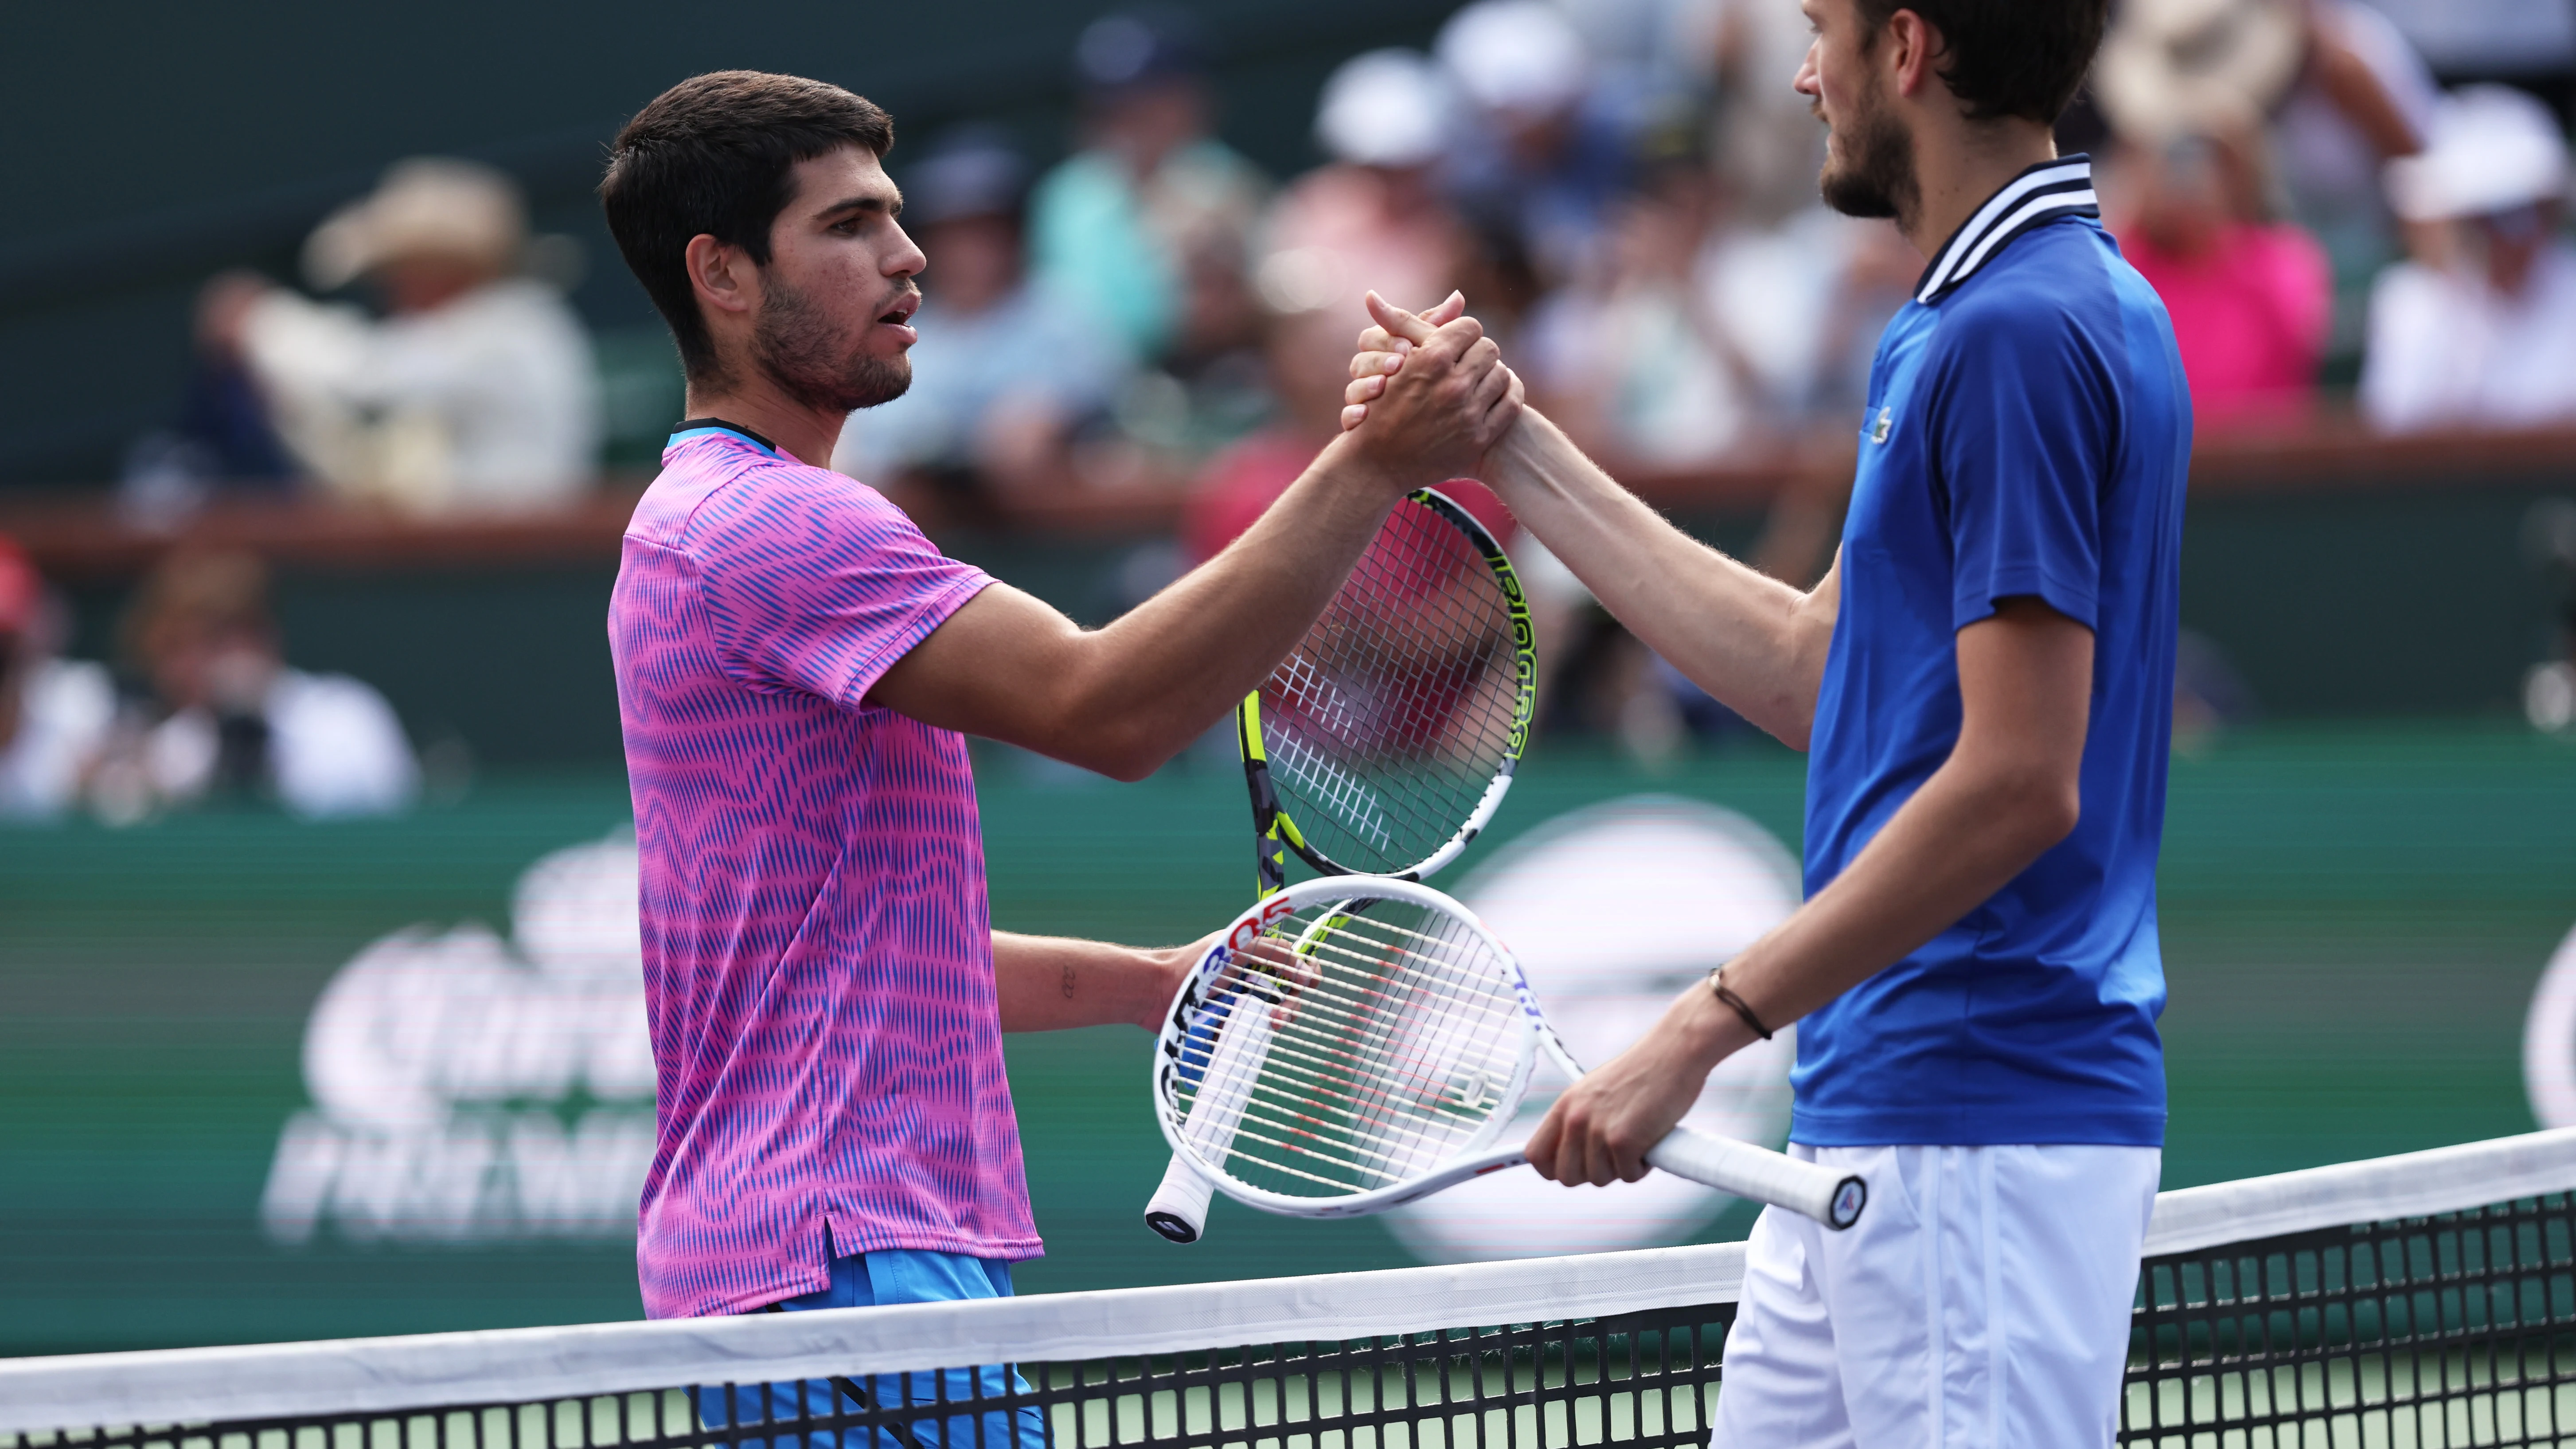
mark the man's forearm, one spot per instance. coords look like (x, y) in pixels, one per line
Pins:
(1962, 837)
(1755, 643)
(1158, 677)
(1049, 983)
(2011, 789)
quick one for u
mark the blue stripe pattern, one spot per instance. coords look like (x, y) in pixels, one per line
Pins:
(817, 945)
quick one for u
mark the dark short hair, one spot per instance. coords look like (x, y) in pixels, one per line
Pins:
(715, 155)
(2022, 58)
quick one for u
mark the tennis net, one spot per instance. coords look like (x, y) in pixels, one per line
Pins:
(2428, 1299)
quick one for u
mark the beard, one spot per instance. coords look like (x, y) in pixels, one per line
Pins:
(796, 344)
(1874, 175)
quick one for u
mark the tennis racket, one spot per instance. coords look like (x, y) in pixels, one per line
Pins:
(1355, 1043)
(1386, 741)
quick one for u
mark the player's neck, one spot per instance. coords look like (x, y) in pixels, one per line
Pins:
(805, 433)
(1959, 163)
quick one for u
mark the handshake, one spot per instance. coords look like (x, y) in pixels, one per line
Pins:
(1429, 394)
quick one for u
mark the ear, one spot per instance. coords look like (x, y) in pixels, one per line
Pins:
(722, 276)
(1911, 45)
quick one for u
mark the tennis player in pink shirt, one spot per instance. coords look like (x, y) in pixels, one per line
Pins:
(797, 667)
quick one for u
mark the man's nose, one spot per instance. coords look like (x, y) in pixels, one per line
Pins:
(908, 260)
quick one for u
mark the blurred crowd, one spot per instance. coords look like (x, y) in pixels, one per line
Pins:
(1624, 190)
(199, 708)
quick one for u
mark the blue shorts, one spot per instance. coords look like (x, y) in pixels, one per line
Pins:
(865, 1280)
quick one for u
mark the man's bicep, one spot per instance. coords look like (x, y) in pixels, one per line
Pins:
(991, 668)
(2026, 684)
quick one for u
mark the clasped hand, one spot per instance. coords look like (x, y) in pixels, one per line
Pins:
(1438, 395)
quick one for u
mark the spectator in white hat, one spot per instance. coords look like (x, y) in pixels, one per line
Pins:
(1542, 157)
(1373, 218)
(476, 390)
(2482, 330)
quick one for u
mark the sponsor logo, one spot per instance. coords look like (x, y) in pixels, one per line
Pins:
(1881, 425)
(470, 1090)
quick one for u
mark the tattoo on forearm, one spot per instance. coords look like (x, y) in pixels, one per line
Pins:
(1068, 981)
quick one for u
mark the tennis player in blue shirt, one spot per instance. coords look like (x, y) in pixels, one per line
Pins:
(1984, 684)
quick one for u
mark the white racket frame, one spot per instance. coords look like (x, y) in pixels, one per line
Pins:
(1742, 1168)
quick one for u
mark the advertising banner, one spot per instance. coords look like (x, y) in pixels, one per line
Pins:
(269, 1080)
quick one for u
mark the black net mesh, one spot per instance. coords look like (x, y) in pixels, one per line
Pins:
(1389, 721)
(2422, 1333)
(1643, 1379)
(2450, 1330)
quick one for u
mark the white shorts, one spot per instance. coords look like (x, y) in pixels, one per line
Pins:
(1981, 1302)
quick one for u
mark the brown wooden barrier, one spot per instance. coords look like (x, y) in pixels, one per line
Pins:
(80, 536)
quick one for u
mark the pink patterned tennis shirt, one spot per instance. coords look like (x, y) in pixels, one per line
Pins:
(818, 956)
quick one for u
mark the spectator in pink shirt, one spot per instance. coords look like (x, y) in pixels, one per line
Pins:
(797, 667)
(2251, 300)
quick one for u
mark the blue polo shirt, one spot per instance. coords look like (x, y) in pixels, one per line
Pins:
(2027, 436)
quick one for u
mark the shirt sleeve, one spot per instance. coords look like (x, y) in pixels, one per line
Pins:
(2025, 432)
(814, 582)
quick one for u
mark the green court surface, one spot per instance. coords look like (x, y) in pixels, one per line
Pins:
(2354, 919)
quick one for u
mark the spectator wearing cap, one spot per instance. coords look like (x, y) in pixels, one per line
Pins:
(1540, 156)
(2482, 331)
(227, 718)
(54, 713)
(1637, 358)
(1007, 369)
(1374, 217)
(2186, 87)
(475, 391)
(1114, 227)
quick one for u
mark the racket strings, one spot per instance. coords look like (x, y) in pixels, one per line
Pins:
(1326, 1043)
(1394, 1049)
(1387, 724)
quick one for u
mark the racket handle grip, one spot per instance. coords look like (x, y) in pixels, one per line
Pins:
(1832, 1198)
(1179, 1207)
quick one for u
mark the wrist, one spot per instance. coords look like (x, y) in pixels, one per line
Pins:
(1165, 968)
(1349, 461)
(1707, 1031)
(1728, 997)
(1514, 457)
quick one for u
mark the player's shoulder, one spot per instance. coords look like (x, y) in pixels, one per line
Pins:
(744, 499)
(2058, 290)
(2051, 276)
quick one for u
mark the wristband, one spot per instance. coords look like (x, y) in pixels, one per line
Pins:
(1717, 987)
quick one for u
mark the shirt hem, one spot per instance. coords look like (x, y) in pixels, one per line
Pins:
(857, 1240)
(2074, 601)
(1956, 1127)
(798, 1284)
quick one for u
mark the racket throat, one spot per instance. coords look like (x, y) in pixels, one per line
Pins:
(1265, 797)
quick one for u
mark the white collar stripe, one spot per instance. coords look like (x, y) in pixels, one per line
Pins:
(2038, 209)
(2073, 170)
(2043, 193)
